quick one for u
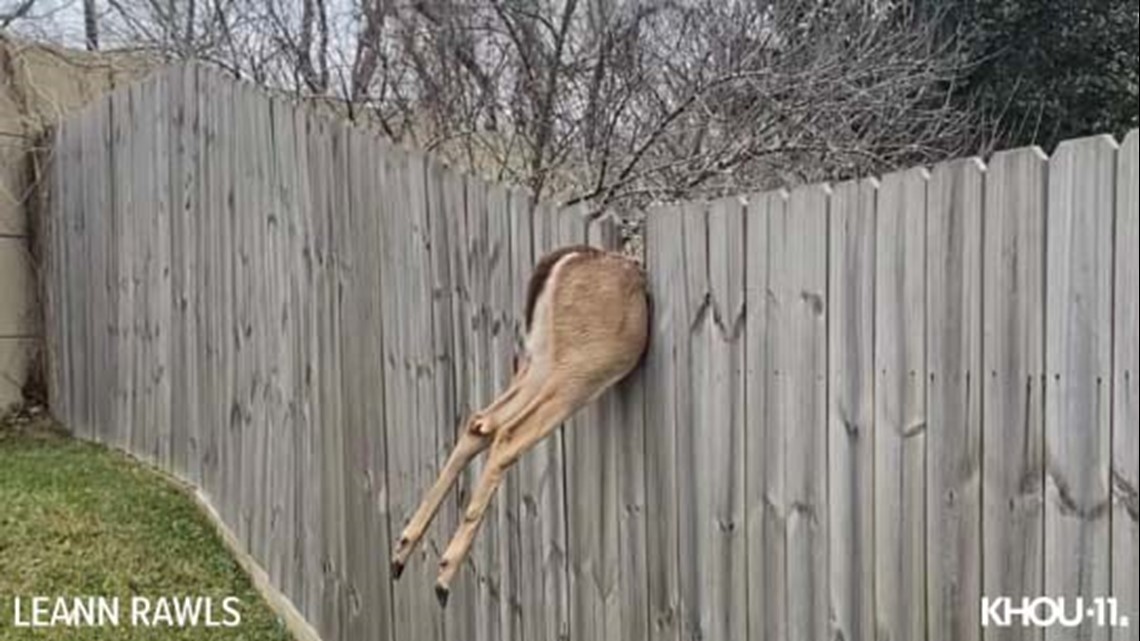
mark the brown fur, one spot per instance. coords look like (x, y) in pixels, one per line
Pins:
(600, 328)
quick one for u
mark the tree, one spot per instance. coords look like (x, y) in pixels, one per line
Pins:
(1050, 70)
(627, 103)
(90, 25)
(12, 14)
(605, 102)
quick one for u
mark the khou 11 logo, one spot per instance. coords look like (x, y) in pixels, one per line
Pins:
(1045, 612)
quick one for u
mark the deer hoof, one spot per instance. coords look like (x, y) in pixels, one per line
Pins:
(397, 570)
(442, 593)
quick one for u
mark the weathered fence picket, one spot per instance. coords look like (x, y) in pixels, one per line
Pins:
(1125, 555)
(1078, 364)
(758, 603)
(864, 407)
(693, 512)
(900, 405)
(954, 353)
(851, 411)
(666, 273)
(1013, 401)
(718, 395)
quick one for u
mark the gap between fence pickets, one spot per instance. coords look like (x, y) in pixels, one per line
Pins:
(278, 602)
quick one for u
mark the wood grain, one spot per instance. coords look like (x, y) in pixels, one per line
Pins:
(720, 424)
(1013, 328)
(1078, 361)
(799, 342)
(666, 273)
(954, 362)
(1126, 412)
(851, 409)
(900, 405)
(767, 487)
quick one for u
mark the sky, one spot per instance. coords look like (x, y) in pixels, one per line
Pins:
(60, 21)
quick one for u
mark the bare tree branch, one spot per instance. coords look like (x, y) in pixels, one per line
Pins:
(604, 102)
(20, 11)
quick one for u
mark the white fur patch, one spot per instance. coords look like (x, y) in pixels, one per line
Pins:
(538, 338)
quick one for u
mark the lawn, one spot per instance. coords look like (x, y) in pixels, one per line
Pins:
(78, 520)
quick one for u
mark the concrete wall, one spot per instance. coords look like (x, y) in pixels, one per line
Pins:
(38, 85)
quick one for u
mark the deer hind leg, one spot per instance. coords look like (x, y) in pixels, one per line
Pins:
(515, 438)
(470, 445)
(473, 439)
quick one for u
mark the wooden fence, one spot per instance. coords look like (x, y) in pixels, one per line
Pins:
(865, 406)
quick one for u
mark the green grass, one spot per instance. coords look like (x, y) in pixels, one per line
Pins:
(77, 520)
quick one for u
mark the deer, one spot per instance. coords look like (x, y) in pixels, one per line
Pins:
(586, 328)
